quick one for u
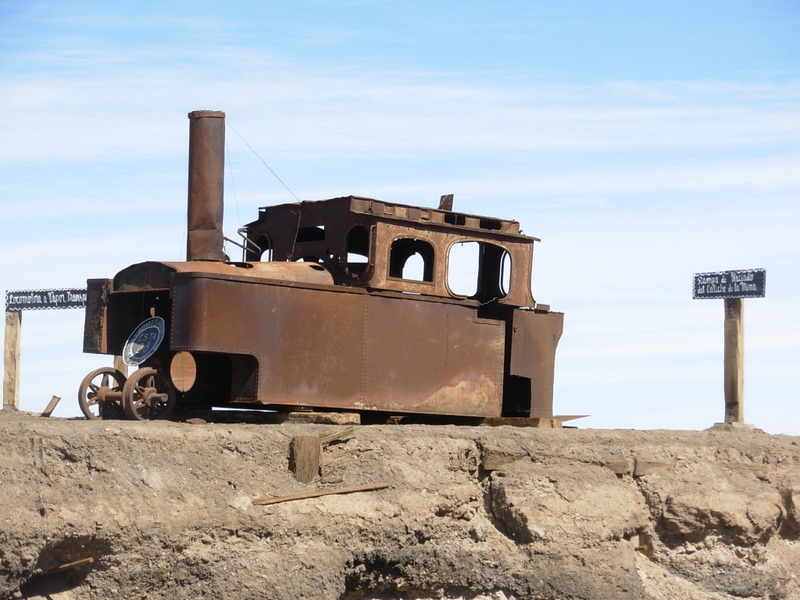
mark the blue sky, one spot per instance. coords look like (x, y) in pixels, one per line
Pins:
(641, 141)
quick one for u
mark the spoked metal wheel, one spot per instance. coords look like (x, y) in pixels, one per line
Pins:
(100, 394)
(148, 394)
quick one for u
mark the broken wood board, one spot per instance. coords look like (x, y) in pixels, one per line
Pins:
(345, 490)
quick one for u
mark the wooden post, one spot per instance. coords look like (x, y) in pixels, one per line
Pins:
(305, 452)
(305, 456)
(11, 360)
(734, 360)
(120, 365)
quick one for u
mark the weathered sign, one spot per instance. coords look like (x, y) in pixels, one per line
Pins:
(45, 299)
(16, 302)
(733, 287)
(745, 283)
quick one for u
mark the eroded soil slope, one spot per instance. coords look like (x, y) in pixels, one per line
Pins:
(165, 510)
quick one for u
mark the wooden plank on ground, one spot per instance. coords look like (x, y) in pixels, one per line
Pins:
(345, 490)
(51, 406)
(522, 422)
(339, 434)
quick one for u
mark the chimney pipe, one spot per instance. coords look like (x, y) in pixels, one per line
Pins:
(206, 183)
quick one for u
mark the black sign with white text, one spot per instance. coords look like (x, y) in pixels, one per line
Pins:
(45, 299)
(745, 283)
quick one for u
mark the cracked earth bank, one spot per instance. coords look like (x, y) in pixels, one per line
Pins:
(165, 510)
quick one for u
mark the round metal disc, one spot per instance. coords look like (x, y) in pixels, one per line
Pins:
(144, 341)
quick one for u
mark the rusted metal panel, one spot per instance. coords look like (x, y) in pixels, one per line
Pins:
(431, 357)
(331, 349)
(437, 218)
(158, 275)
(304, 339)
(520, 251)
(95, 332)
(533, 354)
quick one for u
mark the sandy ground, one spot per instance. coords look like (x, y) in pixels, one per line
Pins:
(101, 509)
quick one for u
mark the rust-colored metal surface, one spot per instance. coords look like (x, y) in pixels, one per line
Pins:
(350, 303)
(347, 350)
(206, 185)
(535, 336)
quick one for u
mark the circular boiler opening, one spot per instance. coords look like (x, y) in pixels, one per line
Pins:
(183, 371)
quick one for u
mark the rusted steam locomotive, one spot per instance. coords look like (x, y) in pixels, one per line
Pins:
(346, 304)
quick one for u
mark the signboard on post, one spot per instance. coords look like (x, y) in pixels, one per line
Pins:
(16, 302)
(45, 299)
(747, 283)
(733, 287)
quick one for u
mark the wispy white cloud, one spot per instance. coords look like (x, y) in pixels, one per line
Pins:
(310, 113)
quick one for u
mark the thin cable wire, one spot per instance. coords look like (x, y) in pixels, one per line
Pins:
(262, 161)
(229, 160)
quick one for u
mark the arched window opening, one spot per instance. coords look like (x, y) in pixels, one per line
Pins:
(414, 268)
(411, 259)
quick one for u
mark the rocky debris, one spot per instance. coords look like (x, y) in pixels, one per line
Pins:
(167, 510)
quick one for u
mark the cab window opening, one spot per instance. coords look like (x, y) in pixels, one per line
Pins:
(478, 270)
(411, 259)
(462, 268)
(494, 273)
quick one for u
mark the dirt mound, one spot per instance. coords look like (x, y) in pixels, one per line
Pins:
(99, 509)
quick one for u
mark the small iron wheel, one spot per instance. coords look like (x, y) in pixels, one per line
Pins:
(100, 394)
(148, 394)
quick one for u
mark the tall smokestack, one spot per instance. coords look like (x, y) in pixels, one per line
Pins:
(206, 182)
